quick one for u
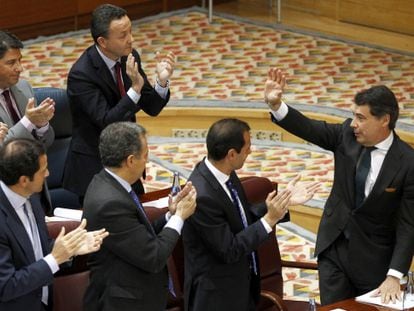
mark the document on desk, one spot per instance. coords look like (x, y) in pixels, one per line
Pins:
(68, 213)
(399, 305)
(160, 203)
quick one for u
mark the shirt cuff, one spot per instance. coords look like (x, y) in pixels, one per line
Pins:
(168, 216)
(175, 223)
(134, 96)
(162, 91)
(266, 225)
(52, 263)
(281, 113)
(30, 126)
(395, 273)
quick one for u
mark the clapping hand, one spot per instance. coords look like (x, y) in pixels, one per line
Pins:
(4, 129)
(165, 67)
(40, 115)
(274, 86)
(301, 192)
(92, 241)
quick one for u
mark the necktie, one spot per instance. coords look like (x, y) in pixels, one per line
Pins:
(118, 76)
(37, 246)
(236, 202)
(12, 112)
(361, 175)
(141, 208)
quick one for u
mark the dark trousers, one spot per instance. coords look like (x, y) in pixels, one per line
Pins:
(336, 280)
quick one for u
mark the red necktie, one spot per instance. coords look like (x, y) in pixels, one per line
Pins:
(12, 112)
(119, 79)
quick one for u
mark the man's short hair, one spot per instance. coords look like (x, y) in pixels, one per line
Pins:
(120, 140)
(224, 135)
(19, 157)
(381, 101)
(102, 17)
(8, 41)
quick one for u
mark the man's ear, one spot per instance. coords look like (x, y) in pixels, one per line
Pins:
(23, 181)
(101, 42)
(129, 161)
(386, 120)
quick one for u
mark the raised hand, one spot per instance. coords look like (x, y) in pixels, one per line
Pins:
(137, 81)
(67, 245)
(92, 242)
(301, 192)
(274, 86)
(165, 67)
(185, 203)
(277, 206)
(4, 129)
(41, 114)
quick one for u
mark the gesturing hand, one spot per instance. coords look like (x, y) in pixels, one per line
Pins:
(4, 129)
(301, 192)
(137, 81)
(274, 86)
(277, 206)
(92, 242)
(41, 114)
(165, 67)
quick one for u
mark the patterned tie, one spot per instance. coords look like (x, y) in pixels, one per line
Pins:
(37, 246)
(119, 82)
(236, 202)
(361, 175)
(12, 112)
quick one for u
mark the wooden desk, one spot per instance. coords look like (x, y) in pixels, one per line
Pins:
(352, 305)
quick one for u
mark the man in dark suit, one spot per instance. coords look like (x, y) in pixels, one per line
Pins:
(366, 235)
(107, 84)
(28, 258)
(221, 238)
(129, 272)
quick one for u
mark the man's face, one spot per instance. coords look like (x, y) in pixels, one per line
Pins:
(10, 68)
(119, 40)
(240, 158)
(368, 129)
(36, 184)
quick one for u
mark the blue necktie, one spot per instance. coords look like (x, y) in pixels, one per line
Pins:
(141, 208)
(361, 175)
(236, 202)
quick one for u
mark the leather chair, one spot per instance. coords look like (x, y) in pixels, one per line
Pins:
(70, 283)
(57, 152)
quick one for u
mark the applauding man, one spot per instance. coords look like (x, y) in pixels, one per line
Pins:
(107, 84)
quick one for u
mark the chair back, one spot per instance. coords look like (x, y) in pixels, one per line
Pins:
(70, 283)
(57, 152)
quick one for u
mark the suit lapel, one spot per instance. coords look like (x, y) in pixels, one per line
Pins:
(390, 167)
(102, 70)
(16, 227)
(140, 213)
(20, 99)
(232, 213)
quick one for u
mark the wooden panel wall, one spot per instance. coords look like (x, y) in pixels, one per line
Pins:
(30, 19)
(392, 15)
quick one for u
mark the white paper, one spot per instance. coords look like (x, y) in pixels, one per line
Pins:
(68, 213)
(160, 203)
(408, 302)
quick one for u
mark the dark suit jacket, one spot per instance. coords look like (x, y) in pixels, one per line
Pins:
(217, 248)
(129, 271)
(96, 102)
(381, 230)
(21, 276)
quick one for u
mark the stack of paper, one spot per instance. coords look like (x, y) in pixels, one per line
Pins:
(62, 214)
(399, 305)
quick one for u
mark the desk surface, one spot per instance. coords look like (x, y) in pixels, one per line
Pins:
(352, 305)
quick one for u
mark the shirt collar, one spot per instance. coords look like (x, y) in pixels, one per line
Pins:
(108, 62)
(220, 176)
(15, 199)
(122, 181)
(385, 145)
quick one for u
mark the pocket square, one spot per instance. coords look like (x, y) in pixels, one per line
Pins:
(390, 189)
